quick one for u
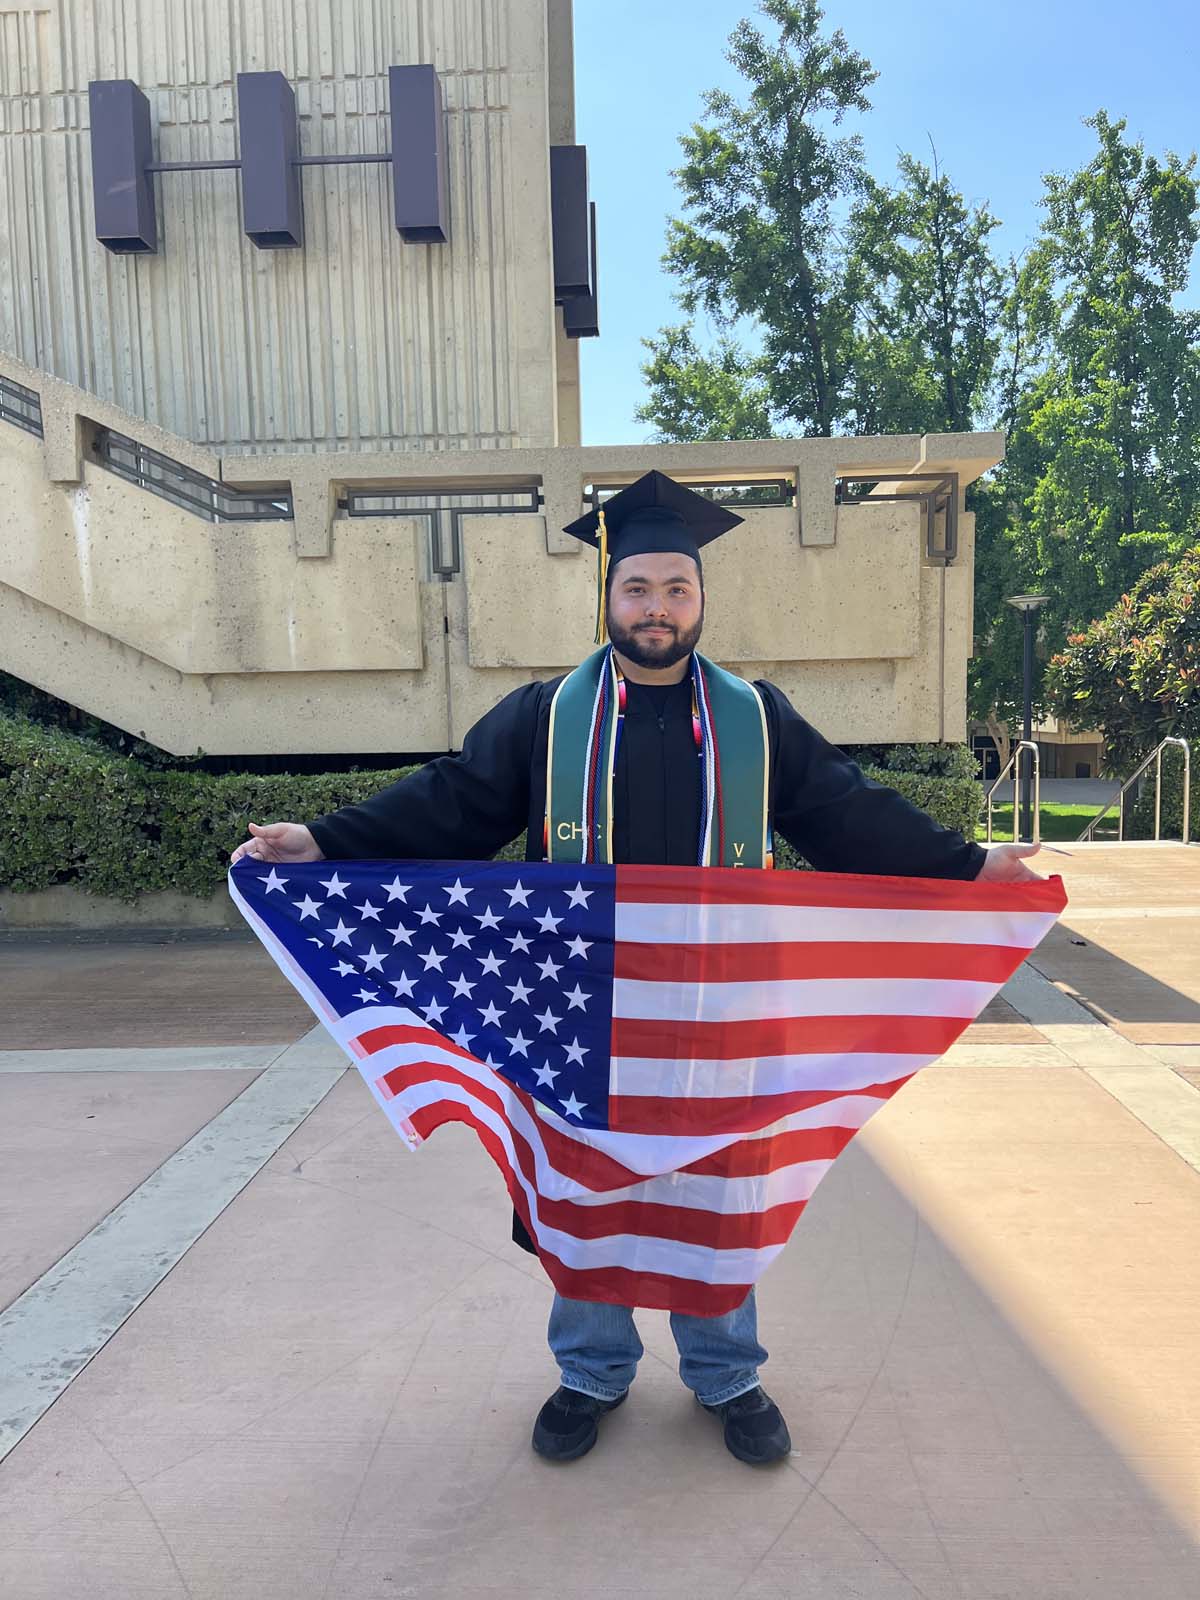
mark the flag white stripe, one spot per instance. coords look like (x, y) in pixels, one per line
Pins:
(800, 997)
(722, 1080)
(696, 1190)
(650, 1154)
(637, 1252)
(640, 922)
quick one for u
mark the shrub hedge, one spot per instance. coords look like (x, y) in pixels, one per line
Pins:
(74, 811)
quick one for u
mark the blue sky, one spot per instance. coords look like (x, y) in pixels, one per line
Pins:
(1001, 90)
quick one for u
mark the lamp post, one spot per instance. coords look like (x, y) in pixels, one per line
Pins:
(1027, 605)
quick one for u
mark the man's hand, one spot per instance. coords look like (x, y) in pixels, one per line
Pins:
(1005, 864)
(279, 841)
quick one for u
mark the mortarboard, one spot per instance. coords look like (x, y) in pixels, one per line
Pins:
(653, 515)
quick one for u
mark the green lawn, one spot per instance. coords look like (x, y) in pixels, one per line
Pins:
(1058, 821)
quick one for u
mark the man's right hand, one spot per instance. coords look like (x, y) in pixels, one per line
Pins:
(279, 841)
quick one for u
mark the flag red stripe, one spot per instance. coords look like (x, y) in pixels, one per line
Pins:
(614, 1285)
(747, 1158)
(666, 1040)
(750, 1230)
(748, 885)
(619, 1286)
(754, 1158)
(749, 963)
(745, 1230)
(647, 1113)
(376, 1039)
(583, 1163)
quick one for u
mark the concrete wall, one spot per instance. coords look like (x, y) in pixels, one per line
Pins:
(357, 341)
(328, 634)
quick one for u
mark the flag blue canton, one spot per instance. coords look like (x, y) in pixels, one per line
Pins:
(513, 963)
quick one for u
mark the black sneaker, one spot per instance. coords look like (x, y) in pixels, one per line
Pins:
(754, 1427)
(566, 1425)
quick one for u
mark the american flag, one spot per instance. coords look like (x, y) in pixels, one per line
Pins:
(662, 1061)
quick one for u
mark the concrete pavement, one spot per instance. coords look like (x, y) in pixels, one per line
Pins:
(983, 1332)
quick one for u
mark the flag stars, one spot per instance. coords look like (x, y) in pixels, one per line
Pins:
(546, 1074)
(308, 907)
(272, 881)
(575, 998)
(334, 887)
(368, 912)
(404, 986)
(433, 1012)
(519, 991)
(430, 915)
(572, 1106)
(366, 994)
(576, 1052)
(548, 923)
(487, 919)
(345, 968)
(462, 1038)
(549, 968)
(340, 934)
(579, 947)
(519, 1044)
(397, 890)
(519, 942)
(459, 938)
(458, 895)
(491, 963)
(490, 1015)
(372, 961)
(462, 986)
(579, 896)
(400, 934)
(548, 1021)
(518, 895)
(433, 958)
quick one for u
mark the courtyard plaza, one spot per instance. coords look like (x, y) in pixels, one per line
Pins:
(251, 1347)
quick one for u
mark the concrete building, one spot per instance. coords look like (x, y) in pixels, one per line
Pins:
(286, 441)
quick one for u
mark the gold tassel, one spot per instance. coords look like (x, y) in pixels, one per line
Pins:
(602, 582)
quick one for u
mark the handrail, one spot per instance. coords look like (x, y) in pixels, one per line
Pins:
(1088, 834)
(1021, 744)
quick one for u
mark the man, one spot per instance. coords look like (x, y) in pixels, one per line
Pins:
(647, 753)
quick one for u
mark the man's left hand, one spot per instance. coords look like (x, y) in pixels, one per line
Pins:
(1005, 864)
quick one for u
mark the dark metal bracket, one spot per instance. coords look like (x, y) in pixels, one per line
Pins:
(443, 513)
(937, 495)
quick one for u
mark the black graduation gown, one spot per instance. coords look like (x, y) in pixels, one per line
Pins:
(468, 806)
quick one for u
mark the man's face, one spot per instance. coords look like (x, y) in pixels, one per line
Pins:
(655, 608)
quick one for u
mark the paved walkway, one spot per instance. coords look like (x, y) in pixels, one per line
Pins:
(252, 1348)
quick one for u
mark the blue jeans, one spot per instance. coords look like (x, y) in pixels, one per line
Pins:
(597, 1349)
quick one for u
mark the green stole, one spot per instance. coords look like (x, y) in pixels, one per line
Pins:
(584, 727)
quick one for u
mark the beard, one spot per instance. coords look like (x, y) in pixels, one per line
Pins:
(656, 654)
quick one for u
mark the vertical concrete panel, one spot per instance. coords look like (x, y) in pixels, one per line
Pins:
(358, 341)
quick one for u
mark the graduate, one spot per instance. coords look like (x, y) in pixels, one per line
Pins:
(647, 752)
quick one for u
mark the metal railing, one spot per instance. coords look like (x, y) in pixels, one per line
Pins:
(184, 486)
(935, 492)
(1089, 833)
(443, 512)
(1013, 761)
(20, 406)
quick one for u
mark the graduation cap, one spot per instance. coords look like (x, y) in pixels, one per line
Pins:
(655, 515)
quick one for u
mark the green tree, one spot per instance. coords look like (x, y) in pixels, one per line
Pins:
(1103, 464)
(761, 181)
(1135, 672)
(719, 396)
(929, 296)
